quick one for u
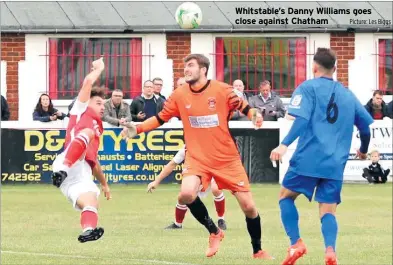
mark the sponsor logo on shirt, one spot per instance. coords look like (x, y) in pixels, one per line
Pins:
(295, 102)
(208, 121)
(211, 103)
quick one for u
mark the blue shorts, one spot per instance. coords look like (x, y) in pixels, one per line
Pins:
(326, 190)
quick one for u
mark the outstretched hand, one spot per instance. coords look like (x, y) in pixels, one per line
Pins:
(129, 131)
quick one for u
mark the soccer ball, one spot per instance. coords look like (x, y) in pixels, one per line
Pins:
(188, 15)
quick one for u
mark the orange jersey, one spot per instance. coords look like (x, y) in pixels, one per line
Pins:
(205, 115)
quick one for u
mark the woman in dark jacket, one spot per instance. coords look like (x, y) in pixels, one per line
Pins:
(44, 110)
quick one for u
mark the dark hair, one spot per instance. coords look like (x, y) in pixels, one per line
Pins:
(265, 82)
(117, 90)
(377, 92)
(97, 91)
(157, 79)
(326, 58)
(201, 59)
(39, 108)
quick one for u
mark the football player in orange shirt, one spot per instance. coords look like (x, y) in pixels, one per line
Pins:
(205, 107)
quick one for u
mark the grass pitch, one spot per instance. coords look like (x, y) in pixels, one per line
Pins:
(39, 226)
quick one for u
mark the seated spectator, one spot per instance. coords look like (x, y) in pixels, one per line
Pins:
(117, 112)
(375, 173)
(376, 106)
(5, 112)
(157, 82)
(390, 109)
(268, 102)
(239, 86)
(44, 110)
(146, 105)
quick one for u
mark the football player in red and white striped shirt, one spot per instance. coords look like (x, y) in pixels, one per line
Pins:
(74, 167)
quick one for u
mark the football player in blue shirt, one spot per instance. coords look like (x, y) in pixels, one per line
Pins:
(325, 113)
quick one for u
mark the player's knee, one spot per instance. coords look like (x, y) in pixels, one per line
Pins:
(186, 197)
(248, 207)
(216, 191)
(285, 193)
(325, 208)
(87, 199)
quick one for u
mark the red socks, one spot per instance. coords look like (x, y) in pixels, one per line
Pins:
(180, 213)
(89, 218)
(219, 202)
(181, 210)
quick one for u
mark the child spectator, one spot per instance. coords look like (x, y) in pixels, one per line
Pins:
(375, 173)
(44, 110)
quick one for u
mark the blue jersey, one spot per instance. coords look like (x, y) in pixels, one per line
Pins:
(331, 111)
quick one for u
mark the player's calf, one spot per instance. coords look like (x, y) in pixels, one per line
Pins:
(253, 221)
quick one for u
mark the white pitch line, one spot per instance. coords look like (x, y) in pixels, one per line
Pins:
(87, 257)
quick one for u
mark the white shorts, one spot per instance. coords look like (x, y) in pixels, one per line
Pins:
(203, 194)
(79, 180)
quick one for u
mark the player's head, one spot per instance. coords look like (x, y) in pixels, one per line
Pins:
(148, 88)
(374, 156)
(44, 104)
(196, 68)
(181, 81)
(324, 62)
(265, 88)
(117, 97)
(238, 85)
(97, 100)
(157, 85)
(377, 98)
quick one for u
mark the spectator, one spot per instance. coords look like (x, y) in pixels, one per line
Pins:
(181, 81)
(117, 112)
(44, 110)
(268, 102)
(239, 87)
(390, 109)
(5, 112)
(147, 105)
(158, 87)
(376, 106)
(375, 173)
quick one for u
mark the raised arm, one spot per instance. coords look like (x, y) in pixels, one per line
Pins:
(97, 67)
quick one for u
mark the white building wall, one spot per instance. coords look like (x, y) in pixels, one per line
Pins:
(33, 79)
(34, 76)
(204, 43)
(363, 70)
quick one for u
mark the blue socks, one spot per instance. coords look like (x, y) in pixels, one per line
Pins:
(290, 219)
(329, 229)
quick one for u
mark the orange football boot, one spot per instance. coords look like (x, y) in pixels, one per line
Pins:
(262, 255)
(214, 243)
(330, 257)
(295, 252)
